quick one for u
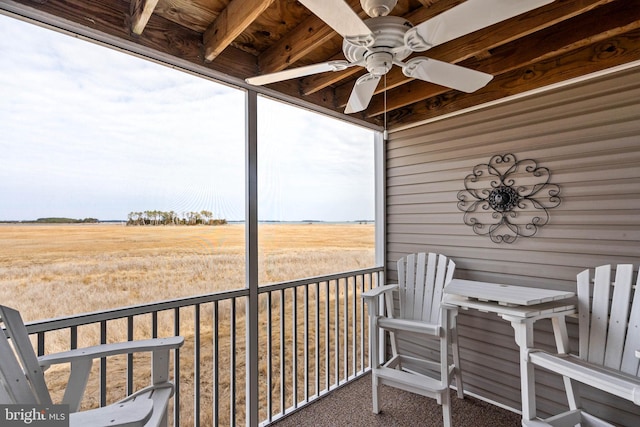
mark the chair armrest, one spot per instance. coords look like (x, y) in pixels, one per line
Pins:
(392, 324)
(82, 359)
(105, 350)
(123, 414)
(609, 380)
(638, 354)
(375, 292)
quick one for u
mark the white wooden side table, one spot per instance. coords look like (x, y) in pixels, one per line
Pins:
(522, 306)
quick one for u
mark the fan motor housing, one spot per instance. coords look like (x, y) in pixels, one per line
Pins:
(388, 32)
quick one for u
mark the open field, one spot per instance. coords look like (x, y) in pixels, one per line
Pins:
(114, 266)
(51, 271)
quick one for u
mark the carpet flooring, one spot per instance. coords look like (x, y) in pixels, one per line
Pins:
(351, 406)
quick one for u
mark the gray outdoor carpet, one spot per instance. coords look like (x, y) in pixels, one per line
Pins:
(351, 406)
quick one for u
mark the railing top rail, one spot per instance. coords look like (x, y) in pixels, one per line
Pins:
(123, 312)
(135, 310)
(317, 279)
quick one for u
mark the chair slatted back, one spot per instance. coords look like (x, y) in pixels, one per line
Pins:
(421, 278)
(609, 324)
(21, 376)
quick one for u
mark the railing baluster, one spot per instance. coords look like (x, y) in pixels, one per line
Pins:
(103, 365)
(196, 366)
(232, 379)
(354, 323)
(283, 387)
(362, 331)
(216, 354)
(306, 343)
(357, 315)
(336, 326)
(176, 369)
(40, 343)
(294, 350)
(154, 324)
(345, 334)
(269, 358)
(73, 338)
(129, 356)
(327, 346)
(317, 339)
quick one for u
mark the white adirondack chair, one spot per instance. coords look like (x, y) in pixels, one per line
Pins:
(421, 278)
(22, 377)
(609, 337)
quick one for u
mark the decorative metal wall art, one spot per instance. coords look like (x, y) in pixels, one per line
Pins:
(506, 199)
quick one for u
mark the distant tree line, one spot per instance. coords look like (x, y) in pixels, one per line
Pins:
(55, 220)
(173, 218)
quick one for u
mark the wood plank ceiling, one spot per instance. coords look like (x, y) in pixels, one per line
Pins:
(243, 38)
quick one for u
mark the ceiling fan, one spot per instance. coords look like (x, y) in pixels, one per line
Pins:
(382, 41)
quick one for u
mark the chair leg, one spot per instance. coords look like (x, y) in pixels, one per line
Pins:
(165, 419)
(375, 391)
(446, 408)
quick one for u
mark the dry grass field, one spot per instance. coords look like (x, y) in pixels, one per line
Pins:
(44, 268)
(48, 271)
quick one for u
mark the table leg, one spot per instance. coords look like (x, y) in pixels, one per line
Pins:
(562, 344)
(524, 338)
(453, 328)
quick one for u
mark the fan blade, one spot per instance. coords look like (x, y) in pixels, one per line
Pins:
(470, 16)
(362, 93)
(445, 74)
(298, 72)
(339, 16)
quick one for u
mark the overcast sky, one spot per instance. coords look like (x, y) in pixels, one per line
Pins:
(86, 131)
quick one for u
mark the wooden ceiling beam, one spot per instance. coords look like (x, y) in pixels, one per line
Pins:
(161, 38)
(482, 41)
(519, 52)
(233, 20)
(592, 27)
(588, 28)
(605, 54)
(188, 13)
(428, 3)
(504, 32)
(141, 11)
(295, 45)
(305, 38)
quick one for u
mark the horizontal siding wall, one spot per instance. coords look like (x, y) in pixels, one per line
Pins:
(588, 135)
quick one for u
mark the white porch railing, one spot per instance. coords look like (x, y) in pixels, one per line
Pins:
(312, 339)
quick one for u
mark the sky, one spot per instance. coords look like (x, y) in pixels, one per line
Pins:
(90, 132)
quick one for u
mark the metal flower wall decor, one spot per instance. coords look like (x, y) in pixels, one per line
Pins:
(506, 198)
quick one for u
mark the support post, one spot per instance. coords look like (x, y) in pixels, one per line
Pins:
(251, 265)
(380, 230)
